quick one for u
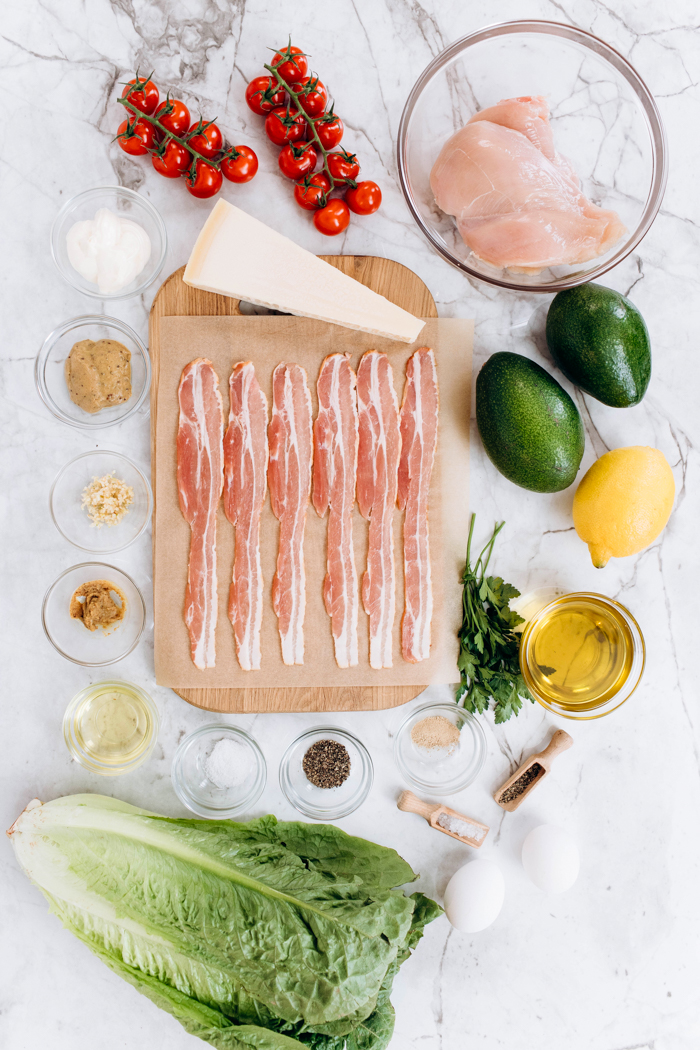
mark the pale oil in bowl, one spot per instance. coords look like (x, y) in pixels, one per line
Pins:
(578, 652)
(110, 727)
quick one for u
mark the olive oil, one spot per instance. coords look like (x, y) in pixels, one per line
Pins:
(110, 727)
(578, 652)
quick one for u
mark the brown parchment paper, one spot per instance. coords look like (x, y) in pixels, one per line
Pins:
(266, 341)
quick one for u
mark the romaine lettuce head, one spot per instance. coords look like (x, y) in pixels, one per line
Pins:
(263, 934)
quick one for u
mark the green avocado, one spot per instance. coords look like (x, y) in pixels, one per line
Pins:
(599, 340)
(530, 427)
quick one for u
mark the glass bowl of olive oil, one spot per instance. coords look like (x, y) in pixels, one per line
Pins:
(110, 727)
(582, 655)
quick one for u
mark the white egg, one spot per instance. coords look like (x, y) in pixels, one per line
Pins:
(550, 858)
(474, 896)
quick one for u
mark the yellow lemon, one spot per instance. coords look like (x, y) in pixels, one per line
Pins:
(623, 502)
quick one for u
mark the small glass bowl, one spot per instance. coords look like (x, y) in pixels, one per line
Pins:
(604, 119)
(128, 205)
(71, 519)
(326, 803)
(77, 735)
(71, 639)
(50, 379)
(588, 711)
(437, 771)
(194, 788)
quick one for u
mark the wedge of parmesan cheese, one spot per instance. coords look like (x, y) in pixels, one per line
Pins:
(240, 256)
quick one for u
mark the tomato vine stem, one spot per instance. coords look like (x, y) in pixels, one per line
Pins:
(176, 138)
(311, 123)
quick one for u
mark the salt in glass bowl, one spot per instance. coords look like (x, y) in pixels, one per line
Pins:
(326, 803)
(194, 788)
(127, 204)
(50, 378)
(603, 116)
(71, 519)
(441, 771)
(79, 746)
(71, 638)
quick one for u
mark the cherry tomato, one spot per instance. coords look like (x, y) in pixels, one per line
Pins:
(311, 192)
(261, 95)
(297, 161)
(332, 219)
(206, 181)
(173, 161)
(282, 126)
(364, 199)
(142, 93)
(174, 115)
(239, 164)
(330, 130)
(205, 138)
(314, 98)
(343, 166)
(291, 64)
(137, 138)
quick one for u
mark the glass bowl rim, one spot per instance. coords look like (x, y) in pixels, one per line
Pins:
(81, 322)
(74, 659)
(459, 783)
(605, 708)
(331, 812)
(94, 765)
(131, 195)
(179, 783)
(655, 126)
(88, 455)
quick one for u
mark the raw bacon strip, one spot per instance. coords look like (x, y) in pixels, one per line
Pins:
(200, 480)
(245, 485)
(377, 484)
(289, 476)
(335, 463)
(419, 427)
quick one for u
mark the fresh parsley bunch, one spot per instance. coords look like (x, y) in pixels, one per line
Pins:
(488, 657)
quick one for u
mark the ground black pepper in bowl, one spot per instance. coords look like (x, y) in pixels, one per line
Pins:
(326, 764)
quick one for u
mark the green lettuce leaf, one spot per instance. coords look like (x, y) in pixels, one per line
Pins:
(265, 934)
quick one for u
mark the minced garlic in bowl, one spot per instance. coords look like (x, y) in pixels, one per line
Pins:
(107, 500)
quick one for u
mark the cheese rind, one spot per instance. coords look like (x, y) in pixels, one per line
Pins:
(240, 256)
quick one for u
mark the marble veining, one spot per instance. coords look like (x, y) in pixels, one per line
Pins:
(611, 965)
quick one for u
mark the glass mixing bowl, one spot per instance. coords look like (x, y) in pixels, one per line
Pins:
(636, 652)
(198, 792)
(128, 205)
(70, 517)
(604, 119)
(50, 371)
(441, 771)
(326, 803)
(103, 745)
(71, 638)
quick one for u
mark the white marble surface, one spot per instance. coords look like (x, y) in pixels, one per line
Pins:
(613, 963)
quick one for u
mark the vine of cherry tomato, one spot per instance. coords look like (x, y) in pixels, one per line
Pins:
(298, 119)
(196, 152)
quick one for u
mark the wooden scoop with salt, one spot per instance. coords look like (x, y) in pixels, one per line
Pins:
(531, 772)
(448, 821)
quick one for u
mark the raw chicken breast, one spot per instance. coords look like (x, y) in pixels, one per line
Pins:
(516, 201)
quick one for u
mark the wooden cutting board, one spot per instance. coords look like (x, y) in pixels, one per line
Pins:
(174, 298)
